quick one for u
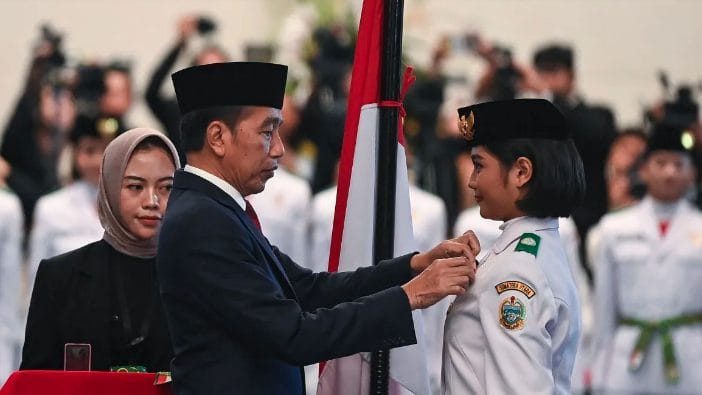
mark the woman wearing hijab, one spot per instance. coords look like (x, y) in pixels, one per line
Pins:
(105, 294)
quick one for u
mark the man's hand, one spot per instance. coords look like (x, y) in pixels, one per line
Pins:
(450, 276)
(466, 245)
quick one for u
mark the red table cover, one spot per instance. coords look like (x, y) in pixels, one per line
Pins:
(37, 382)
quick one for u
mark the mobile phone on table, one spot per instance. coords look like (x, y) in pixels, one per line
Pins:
(77, 356)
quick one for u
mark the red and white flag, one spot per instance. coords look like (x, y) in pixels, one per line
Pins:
(354, 218)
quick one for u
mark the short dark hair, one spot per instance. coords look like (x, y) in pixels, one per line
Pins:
(557, 184)
(554, 56)
(194, 124)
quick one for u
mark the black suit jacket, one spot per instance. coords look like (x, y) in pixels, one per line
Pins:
(593, 129)
(71, 304)
(245, 318)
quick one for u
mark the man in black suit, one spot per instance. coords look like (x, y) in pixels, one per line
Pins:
(244, 317)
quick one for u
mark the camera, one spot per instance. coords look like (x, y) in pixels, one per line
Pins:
(682, 110)
(89, 87)
(54, 39)
(467, 42)
(505, 83)
(206, 25)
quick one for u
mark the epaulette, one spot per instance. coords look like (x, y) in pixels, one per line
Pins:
(528, 242)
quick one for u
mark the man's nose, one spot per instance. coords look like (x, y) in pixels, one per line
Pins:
(277, 146)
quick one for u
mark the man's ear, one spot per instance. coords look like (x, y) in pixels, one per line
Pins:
(523, 171)
(214, 137)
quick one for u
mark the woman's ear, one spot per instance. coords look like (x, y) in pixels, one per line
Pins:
(523, 171)
(214, 137)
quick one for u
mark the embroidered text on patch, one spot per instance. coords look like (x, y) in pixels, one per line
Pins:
(516, 286)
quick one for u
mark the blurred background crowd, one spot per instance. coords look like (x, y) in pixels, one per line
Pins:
(78, 73)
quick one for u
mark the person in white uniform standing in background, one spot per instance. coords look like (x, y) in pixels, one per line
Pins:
(516, 330)
(67, 219)
(283, 209)
(648, 300)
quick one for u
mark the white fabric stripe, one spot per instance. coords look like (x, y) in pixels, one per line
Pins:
(408, 367)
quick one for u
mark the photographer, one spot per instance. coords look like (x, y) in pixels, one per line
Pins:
(592, 127)
(116, 101)
(35, 133)
(165, 109)
(330, 59)
(503, 77)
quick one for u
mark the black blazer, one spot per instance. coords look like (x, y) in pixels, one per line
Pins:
(245, 318)
(71, 304)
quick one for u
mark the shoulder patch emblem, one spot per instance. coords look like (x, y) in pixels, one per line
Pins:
(529, 242)
(516, 286)
(512, 313)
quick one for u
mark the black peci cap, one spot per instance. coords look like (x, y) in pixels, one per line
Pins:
(95, 127)
(668, 137)
(511, 119)
(230, 84)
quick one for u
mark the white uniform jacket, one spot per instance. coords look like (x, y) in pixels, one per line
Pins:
(516, 330)
(283, 209)
(11, 326)
(488, 231)
(63, 221)
(644, 276)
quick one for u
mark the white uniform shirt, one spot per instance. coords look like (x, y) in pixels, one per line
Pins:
(429, 228)
(640, 274)
(283, 210)
(63, 221)
(488, 230)
(517, 328)
(11, 326)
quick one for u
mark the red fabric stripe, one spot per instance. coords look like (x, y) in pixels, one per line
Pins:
(365, 81)
(407, 81)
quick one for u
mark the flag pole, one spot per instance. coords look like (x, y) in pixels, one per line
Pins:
(383, 243)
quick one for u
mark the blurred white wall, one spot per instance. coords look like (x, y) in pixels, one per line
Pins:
(620, 44)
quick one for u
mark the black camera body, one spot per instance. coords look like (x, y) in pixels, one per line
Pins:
(51, 36)
(506, 81)
(206, 25)
(683, 110)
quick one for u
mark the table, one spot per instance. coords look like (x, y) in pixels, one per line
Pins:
(58, 382)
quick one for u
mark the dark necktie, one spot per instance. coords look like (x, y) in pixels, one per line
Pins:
(252, 215)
